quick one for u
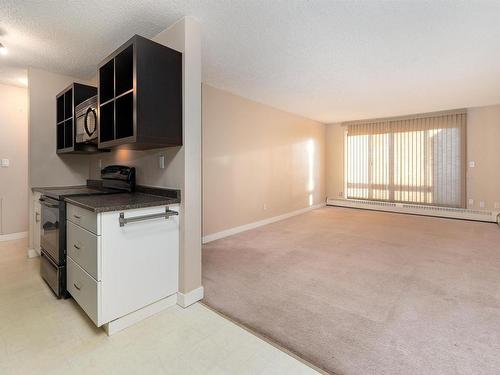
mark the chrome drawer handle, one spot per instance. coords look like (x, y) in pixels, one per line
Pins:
(76, 286)
(77, 217)
(165, 215)
(76, 247)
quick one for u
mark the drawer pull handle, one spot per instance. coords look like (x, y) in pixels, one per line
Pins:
(77, 217)
(165, 215)
(76, 286)
(76, 247)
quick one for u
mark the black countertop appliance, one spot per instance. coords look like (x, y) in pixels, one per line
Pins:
(118, 177)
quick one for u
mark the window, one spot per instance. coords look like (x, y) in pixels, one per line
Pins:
(418, 159)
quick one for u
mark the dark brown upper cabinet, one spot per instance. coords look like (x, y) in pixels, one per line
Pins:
(66, 101)
(140, 96)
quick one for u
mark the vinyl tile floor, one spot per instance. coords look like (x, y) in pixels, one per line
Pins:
(42, 335)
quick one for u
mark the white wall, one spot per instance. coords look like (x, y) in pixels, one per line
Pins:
(14, 146)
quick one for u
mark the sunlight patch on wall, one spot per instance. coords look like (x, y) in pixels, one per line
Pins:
(310, 166)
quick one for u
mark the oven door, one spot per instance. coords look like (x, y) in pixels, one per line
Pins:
(49, 239)
(52, 274)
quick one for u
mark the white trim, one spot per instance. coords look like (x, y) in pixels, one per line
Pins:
(13, 236)
(187, 299)
(229, 232)
(32, 253)
(141, 314)
(416, 209)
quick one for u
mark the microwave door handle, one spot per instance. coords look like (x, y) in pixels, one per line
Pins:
(85, 122)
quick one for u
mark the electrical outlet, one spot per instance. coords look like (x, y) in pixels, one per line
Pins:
(341, 193)
(481, 204)
(472, 164)
(99, 163)
(471, 202)
(162, 161)
(5, 163)
(496, 205)
(264, 206)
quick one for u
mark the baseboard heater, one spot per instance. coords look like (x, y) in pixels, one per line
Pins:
(415, 209)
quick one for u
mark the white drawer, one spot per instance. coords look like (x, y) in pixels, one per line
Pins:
(82, 217)
(83, 247)
(84, 289)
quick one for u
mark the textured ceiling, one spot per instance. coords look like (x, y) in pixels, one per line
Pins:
(327, 60)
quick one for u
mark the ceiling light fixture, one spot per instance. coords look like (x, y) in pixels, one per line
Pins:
(3, 49)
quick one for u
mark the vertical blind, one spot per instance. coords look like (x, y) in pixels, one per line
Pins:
(415, 159)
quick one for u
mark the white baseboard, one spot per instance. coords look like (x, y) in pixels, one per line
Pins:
(415, 209)
(13, 236)
(229, 232)
(32, 253)
(136, 316)
(187, 299)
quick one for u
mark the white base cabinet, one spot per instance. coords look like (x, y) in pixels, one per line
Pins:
(116, 270)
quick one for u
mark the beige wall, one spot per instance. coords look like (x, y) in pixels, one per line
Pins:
(483, 147)
(335, 160)
(14, 146)
(46, 168)
(258, 162)
(483, 140)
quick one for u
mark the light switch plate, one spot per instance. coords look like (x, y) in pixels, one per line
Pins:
(481, 204)
(162, 162)
(472, 164)
(5, 163)
(471, 202)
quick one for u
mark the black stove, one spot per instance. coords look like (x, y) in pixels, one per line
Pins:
(115, 180)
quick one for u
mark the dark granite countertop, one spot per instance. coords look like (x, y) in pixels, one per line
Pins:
(41, 189)
(120, 201)
(62, 192)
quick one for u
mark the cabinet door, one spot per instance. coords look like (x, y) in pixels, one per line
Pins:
(140, 260)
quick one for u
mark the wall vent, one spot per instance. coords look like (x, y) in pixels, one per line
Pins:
(416, 209)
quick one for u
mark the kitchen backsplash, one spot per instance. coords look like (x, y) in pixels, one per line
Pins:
(147, 164)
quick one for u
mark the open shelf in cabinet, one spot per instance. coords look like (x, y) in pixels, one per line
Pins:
(66, 102)
(140, 96)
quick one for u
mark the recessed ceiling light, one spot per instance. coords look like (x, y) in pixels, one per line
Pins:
(3, 49)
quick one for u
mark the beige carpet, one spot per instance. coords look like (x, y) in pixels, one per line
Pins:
(364, 292)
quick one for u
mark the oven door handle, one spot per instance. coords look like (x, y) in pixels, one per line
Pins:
(45, 203)
(51, 205)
